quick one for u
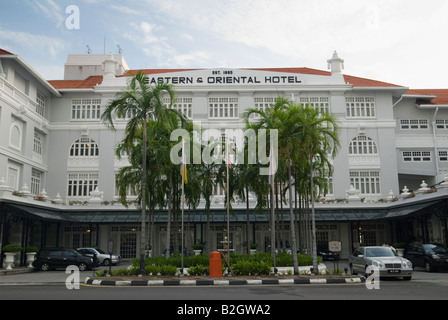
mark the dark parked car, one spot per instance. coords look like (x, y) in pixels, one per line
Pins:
(430, 255)
(52, 258)
(327, 254)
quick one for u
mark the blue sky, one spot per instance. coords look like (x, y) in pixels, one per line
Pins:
(398, 41)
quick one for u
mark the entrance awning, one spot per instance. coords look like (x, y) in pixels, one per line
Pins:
(407, 210)
(38, 213)
(330, 215)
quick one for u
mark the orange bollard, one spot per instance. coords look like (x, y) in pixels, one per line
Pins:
(215, 264)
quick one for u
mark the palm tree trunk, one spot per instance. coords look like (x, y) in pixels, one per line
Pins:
(313, 219)
(168, 223)
(273, 226)
(143, 215)
(208, 236)
(277, 218)
(291, 218)
(248, 222)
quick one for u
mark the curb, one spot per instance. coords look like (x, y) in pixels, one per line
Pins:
(222, 282)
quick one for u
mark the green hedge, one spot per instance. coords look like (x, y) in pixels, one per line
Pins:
(199, 270)
(259, 263)
(284, 259)
(174, 260)
(251, 268)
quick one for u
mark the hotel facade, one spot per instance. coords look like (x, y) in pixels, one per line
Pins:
(58, 163)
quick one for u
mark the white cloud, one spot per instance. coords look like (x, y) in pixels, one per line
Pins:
(50, 9)
(191, 59)
(378, 39)
(126, 10)
(39, 44)
(158, 47)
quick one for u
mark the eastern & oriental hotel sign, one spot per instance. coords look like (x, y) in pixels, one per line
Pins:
(225, 77)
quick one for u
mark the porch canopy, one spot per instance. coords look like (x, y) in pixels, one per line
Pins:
(110, 215)
(36, 213)
(241, 215)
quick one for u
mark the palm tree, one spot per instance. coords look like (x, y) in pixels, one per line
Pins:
(128, 178)
(319, 138)
(143, 102)
(268, 119)
(207, 180)
(289, 138)
(305, 135)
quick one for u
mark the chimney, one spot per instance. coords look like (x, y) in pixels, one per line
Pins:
(109, 67)
(335, 64)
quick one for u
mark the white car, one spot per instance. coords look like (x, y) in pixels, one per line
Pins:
(384, 258)
(104, 258)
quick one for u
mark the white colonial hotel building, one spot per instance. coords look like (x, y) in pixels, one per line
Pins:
(57, 162)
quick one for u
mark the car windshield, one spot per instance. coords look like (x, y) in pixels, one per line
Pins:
(380, 252)
(100, 251)
(435, 248)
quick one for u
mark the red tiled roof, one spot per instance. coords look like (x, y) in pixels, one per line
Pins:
(354, 81)
(364, 82)
(441, 95)
(88, 83)
(295, 70)
(4, 52)
(91, 81)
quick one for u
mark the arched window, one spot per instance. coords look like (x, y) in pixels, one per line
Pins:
(15, 139)
(362, 145)
(84, 147)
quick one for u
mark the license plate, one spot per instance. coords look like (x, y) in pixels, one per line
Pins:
(394, 271)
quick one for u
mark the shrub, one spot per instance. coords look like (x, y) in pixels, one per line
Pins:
(152, 269)
(250, 268)
(256, 257)
(198, 270)
(125, 272)
(31, 249)
(304, 260)
(12, 248)
(167, 270)
(284, 259)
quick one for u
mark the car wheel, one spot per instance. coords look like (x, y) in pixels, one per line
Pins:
(407, 278)
(367, 274)
(82, 266)
(106, 262)
(45, 266)
(428, 266)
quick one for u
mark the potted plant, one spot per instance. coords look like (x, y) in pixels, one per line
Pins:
(197, 248)
(253, 248)
(10, 251)
(30, 255)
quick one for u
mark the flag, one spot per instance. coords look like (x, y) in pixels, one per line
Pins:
(183, 173)
(183, 165)
(272, 165)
